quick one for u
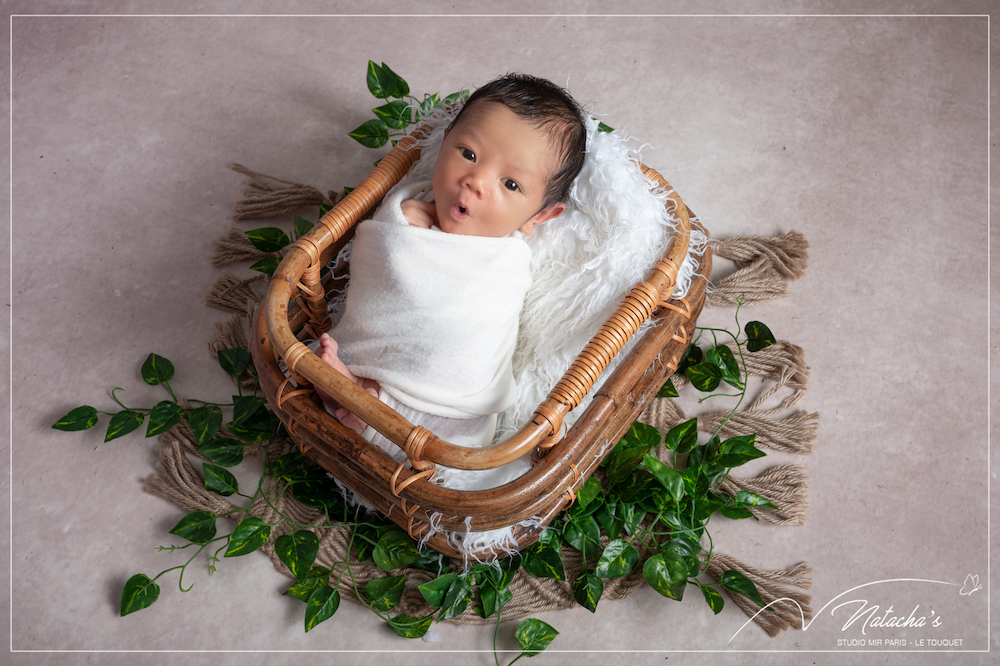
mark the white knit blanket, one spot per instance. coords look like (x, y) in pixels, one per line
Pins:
(433, 317)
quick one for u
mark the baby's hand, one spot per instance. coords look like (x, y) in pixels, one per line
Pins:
(419, 213)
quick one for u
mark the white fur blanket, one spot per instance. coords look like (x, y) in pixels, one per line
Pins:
(431, 316)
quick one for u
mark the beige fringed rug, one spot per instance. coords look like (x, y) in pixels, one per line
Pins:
(764, 266)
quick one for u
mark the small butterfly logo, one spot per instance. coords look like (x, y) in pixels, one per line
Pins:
(971, 585)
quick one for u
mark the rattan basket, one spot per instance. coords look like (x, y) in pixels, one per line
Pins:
(295, 307)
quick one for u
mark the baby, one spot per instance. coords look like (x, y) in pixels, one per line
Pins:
(437, 345)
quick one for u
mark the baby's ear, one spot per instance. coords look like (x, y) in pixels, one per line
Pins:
(544, 215)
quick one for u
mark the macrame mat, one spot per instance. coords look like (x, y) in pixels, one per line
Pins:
(763, 267)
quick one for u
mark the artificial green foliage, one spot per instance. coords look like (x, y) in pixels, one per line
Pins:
(650, 501)
(138, 593)
(123, 423)
(80, 418)
(534, 636)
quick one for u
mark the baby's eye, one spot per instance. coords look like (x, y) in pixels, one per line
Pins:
(510, 185)
(468, 154)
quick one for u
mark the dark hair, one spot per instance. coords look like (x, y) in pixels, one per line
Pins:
(548, 107)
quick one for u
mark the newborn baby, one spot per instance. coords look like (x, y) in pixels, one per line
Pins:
(437, 286)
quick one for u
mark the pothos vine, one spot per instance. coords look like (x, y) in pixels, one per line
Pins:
(652, 504)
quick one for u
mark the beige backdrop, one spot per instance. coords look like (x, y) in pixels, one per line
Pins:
(868, 134)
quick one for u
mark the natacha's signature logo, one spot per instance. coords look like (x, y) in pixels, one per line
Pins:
(867, 616)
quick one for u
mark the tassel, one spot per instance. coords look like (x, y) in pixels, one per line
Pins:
(782, 362)
(230, 334)
(663, 414)
(234, 247)
(266, 200)
(784, 485)
(771, 585)
(178, 482)
(793, 434)
(764, 266)
(231, 294)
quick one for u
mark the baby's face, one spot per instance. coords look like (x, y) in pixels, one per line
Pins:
(491, 176)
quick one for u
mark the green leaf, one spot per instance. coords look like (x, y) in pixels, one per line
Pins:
(197, 527)
(408, 626)
(427, 106)
(747, 498)
(395, 549)
(395, 114)
(80, 418)
(267, 265)
(692, 356)
(587, 590)
(492, 599)
(385, 593)
(590, 489)
(316, 578)
(402, 89)
(245, 406)
(456, 599)
(219, 480)
(224, 451)
(628, 453)
(371, 134)
(633, 516)
(156, 370)
(601, 127)
(608, 518)
(619, 559)
(667, 574)
(722, 357)
(248, 536)
(704, 376)
(671, 480)
(259, 427)
(321, 495)
(736, 513)
(205, 421)
(321, 606)
(123, 423)
(534, 636)
(234, 361)
(303, 226)
(381, 83)
(543, 560)
(139, 592)
(268, 239)
(165, 415)
(667, 390)
(712, 598)
(434, 590)
(737, 450)
(365, 539)
(758, 336)
(695, 482)
(682, 437)
(734, 581)
(431, 560)
(708, 504)
(583, 533)
(298, 551)
(284, 466)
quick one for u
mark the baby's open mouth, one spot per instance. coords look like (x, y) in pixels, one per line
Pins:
(462, 209)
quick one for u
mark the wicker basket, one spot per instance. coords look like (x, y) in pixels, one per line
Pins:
(295, 306)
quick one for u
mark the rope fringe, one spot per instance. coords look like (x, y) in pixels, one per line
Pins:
(784, 485)
(235, 247)
(264, 199)
(772, 585)
(764, 266)
(231, 294)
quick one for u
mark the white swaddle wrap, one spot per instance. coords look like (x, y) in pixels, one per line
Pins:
(432, 316)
